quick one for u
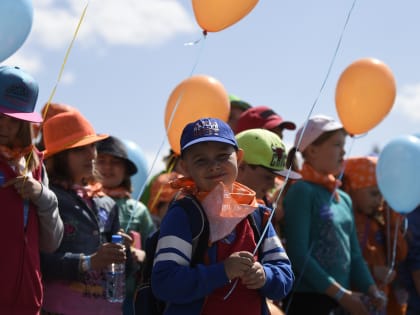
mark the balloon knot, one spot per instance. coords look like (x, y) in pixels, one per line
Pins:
(204, 33)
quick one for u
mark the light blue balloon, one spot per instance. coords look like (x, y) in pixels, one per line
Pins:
(136, 155)
(15, 25)
(398, 173)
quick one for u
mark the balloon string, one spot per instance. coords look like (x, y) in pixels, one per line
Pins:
(328, 71)
(303, 131)
(149, 175)
(394, 248)
(65, 59)
(60, 73)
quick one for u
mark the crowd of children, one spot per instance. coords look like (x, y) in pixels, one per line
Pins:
(279, 237)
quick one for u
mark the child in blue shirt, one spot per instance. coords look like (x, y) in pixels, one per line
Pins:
(232, 279)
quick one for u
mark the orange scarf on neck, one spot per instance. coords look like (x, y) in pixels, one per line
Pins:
(326, 180)
(13, 156)
(89, 191)
(224, 207)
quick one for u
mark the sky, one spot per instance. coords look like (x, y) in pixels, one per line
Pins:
(130, 54)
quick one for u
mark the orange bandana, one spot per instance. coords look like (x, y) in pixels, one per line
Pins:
(328, 181)
(224, 208)
(360, 172)
(89, 191)
(15, 155)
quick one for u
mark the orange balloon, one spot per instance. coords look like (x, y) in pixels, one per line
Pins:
(364, 95)
(216, 15)
(197, 97)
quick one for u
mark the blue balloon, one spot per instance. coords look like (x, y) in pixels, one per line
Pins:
(398, 173)
(15, 25)
(136, 155)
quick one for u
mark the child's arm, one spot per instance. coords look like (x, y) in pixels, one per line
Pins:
(173, 279)
(51, 226)
(277, 275)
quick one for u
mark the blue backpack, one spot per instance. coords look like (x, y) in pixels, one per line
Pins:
(145, 302)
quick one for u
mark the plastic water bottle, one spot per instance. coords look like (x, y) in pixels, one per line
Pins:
(115, 278)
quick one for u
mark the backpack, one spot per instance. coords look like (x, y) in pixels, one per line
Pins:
(145, 302)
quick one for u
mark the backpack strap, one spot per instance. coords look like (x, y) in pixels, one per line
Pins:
(200, 234)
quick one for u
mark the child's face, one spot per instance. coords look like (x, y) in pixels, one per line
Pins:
(209, 163)
(80, 162)
(259, 179)
(9, 128)
(112, 170)
(366, 200)
(327, 157)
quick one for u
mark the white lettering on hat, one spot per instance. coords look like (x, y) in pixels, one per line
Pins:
(206, 127)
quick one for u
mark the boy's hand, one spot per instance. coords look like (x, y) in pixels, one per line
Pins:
(254, 278)
(237, 264)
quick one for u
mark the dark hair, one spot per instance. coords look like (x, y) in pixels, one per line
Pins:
(23, 139)
(291, 161)
(59, 172)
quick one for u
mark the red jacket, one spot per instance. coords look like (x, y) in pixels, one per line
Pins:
(20, 289)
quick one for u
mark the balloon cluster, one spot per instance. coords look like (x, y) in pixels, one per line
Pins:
(15, 25)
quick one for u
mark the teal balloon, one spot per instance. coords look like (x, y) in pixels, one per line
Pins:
(136, 155)
(398, 173)
(16, 18)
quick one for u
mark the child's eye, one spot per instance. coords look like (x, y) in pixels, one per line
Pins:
(224, 157)
(200, 162)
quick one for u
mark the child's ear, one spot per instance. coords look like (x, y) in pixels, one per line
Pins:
(239, 155)
(311, 152)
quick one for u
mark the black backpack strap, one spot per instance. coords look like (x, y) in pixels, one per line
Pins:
(200, 233)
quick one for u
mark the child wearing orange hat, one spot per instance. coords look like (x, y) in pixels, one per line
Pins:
(375, 226)
(30, 220)
(74, 275)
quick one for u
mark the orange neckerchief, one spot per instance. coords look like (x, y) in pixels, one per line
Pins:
(224, 207)
(117, 192)
(328, 181)
(14, 156)
(241, 193)
(89, 191)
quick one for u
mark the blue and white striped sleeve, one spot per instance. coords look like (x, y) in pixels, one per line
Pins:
(173, 279)
(277, 267)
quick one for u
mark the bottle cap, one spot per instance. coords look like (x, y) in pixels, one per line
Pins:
(116, 238)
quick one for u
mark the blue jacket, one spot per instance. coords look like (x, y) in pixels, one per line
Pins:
(85, 230)
(184, 288)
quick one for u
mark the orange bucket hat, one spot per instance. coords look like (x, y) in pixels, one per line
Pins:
(66, 131)
(360, 172)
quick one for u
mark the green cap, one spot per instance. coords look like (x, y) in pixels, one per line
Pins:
(237, 102)
(265, 148)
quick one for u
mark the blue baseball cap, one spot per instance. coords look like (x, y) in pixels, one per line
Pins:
(207, 129)
(18, 94)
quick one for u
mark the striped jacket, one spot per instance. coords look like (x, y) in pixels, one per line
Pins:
(184, 288)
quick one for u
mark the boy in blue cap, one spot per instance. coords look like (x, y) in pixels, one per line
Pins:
(230, 278)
